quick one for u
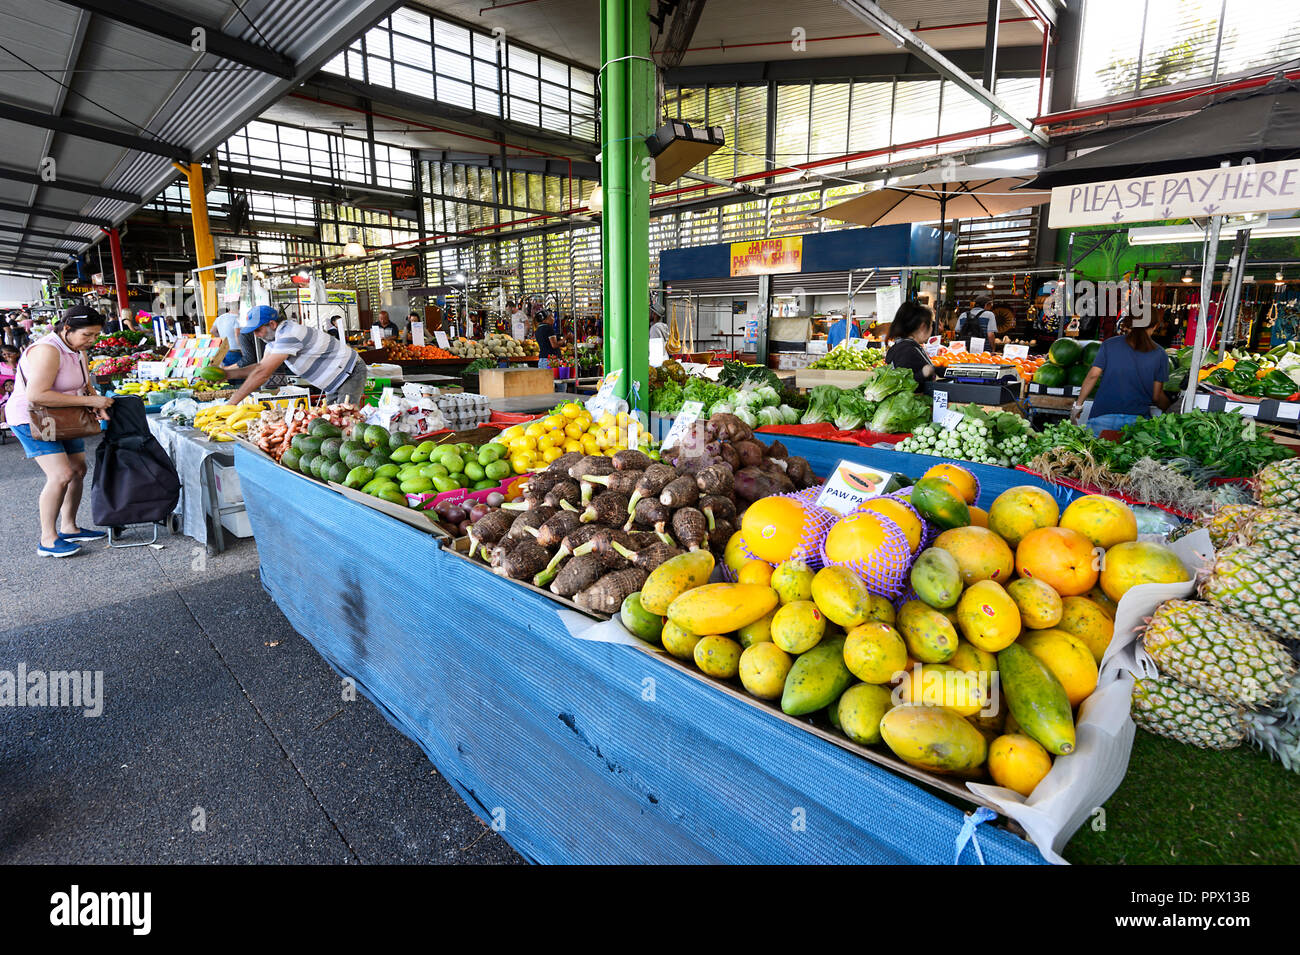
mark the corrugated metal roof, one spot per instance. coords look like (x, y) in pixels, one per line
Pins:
(119, 79)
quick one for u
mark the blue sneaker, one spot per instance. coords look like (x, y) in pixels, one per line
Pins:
(61, 548)
(83, 536)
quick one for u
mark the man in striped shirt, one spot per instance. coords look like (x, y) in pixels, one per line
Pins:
(325, 362)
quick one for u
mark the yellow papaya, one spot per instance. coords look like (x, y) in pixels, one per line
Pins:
(859, 711)
(680, 643)
(1068, 658)
(987, 616)
(720, 608)
(798, 626)
(842, 596)
(673, 578)
(935, 684)
(929, 635)
(933, 738)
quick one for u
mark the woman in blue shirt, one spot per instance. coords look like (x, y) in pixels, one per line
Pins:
(1135, 368)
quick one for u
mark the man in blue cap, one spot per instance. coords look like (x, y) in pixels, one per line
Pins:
(326, 363)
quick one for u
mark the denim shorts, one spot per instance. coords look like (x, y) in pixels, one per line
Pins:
(1110, 422)
(34, 447)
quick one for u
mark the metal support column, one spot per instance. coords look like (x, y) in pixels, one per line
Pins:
(202, 239)
(764, 311)
(627, 104)
(119, 270)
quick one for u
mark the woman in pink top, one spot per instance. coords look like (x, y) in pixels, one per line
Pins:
(53, 373)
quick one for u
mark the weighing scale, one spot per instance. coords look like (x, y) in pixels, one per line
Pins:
(980, 374)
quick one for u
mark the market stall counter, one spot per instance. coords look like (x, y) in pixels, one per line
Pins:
(578, 751)
(197, 461)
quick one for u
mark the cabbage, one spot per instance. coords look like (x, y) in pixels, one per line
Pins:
(770, 415)
(747, 416)
(789, 415)
(722, 407)
(769, 395)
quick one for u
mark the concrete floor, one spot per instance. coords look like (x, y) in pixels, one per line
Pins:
(224, 737)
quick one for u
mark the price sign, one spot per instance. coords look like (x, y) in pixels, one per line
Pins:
(861, 344)
(977, 346)
(940, 407)
(441, 338)
(377, 336)
(1286, 410)
(1015, 351)
(951, 419)
(816, 346)
(658, 352)
(682, 424)
(151, 370)
(849, 485)
(957, 347)
(417, 333)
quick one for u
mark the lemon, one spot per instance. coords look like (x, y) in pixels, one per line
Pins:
(553, 422)
(573, 430)
(621, 418)
(535, 430)
(551, 453)
(571, 410)
(584, 421)
(521, 464)
(573, 446)
(607, 420)
(512, 432)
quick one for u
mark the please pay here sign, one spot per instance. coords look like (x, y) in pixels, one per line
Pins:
(1230, 190)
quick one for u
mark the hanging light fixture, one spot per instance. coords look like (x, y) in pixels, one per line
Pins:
(989, 283)
(1060, 279)
(596, 204)
(1187, 276)
(1278, 281)
(354, 249)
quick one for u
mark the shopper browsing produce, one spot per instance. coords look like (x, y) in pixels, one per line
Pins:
(1136, 368)
(911, 328)
(53, 374)
(325, 362)
(548, 344)
(841, 329)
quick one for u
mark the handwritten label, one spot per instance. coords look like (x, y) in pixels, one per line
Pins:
(417, 333)
(951, 419)
(940, 407)
(1056, 391)
(850, 484)
(1015, 351)
(441, 338)
(377, 336)
(682, 424)
(977, 346)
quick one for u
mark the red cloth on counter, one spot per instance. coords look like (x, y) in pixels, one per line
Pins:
(828, 432)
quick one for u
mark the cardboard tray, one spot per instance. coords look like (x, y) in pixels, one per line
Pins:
(407, 515)
(460, 548)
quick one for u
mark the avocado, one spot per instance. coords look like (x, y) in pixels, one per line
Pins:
(297, 442)
(290, 459)
(398, 438)
(350, 445)
(305, 461)
(321, 428)
(338, 472)
(330, 448)
(355, 459)
(375, 461)
(308, 443)
(375, 436)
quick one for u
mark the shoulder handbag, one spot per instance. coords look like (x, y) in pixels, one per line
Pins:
(64, 422)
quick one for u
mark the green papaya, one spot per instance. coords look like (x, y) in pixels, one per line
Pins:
(936, 578)
(1036, 699)
(639, 621)
(934, 500)
(817, 678)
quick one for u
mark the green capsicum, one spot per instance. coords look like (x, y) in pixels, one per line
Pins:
(1247, 366)
(1218, 378)
(1276, 384)
(1243, 383)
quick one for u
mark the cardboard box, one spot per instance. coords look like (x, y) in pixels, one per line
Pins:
(806, 378)
(513, 382)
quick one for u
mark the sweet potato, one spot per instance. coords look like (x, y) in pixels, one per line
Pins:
(607, 594)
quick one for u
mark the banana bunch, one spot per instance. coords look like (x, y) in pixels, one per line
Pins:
(227, 422)
(145, 387)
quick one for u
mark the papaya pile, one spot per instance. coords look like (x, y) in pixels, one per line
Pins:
(974, 666)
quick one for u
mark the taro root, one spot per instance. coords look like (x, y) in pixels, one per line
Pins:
(566, 490)
(754, 483)
(649, 557)
(490, 529)
(648, 512)
(553, 530)
(530, 520)
(574, 539)
(680, 492)
(522, 561)
(594, 464)
(799, 471)
(716, 508)
(560, 466)
(631, 460)
(642, 539)
(603, 541)
(606, 508)
(581, 571)
(720, 534)
(652, 481)
(607, 594)
(497, 553)
(728, 428)
(622, 481)
(777, 450)
(690, 528)
(715, 479)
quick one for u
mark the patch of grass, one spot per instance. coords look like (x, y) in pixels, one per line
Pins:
(1180, 805)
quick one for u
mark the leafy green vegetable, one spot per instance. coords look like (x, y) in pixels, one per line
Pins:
(1231, 444)
(478, 364)
(735, 374)
(852, 410)
(667, 398)
(887, 380)
(794, 398)
(822, 401)
(901, 412)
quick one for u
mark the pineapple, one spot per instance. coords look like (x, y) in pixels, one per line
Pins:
(1217, 653)
(1249, 523)
(1258, 583)
(1168, 708)
(1279, 484)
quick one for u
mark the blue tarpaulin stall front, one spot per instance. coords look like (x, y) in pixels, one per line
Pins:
(580, 752)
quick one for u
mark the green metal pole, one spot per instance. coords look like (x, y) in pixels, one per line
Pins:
(627, 111)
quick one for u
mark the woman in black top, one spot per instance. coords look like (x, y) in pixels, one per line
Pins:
(911, 327)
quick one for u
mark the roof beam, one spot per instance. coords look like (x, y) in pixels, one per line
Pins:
(163, 23)
(84, 188)
(38, 211)
(41, 233)
(871, 13)
(98, 134)
(1012, 61)
(34, 246)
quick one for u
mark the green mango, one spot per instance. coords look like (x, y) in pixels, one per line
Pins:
(402, 453)
(936, 578)
(389, 471)
(497, 470)
(491, 452)
(474, 470)
(393, 496)
(444, 483)
(358, 477)
(817, 677)
(433, 470)
(417, 485)
(422, 451)
(453, 462)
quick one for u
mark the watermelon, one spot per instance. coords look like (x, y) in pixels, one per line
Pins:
(1064, 351)
(1076, 373)
(1050, 376)
(1090, 353)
